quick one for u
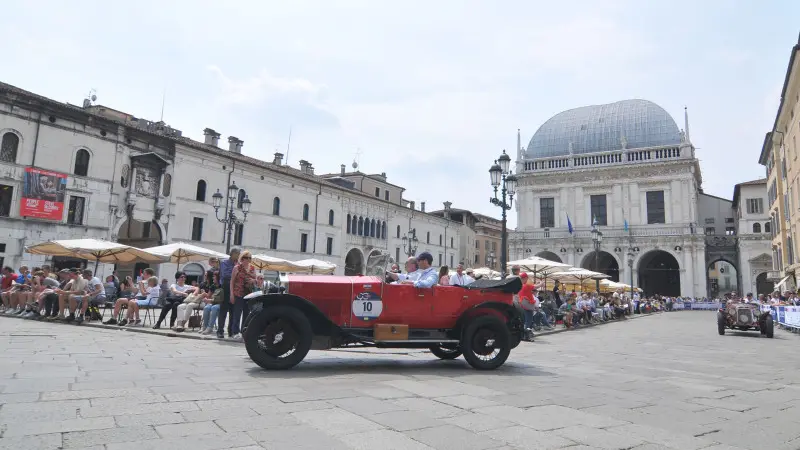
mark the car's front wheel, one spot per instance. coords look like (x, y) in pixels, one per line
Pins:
(486, 343)
(278, 337)
(442, 352)
(721, 323)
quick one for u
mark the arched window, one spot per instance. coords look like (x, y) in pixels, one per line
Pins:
(81, 162)
(240, 199)
(330, 217)
(360, 226)
(125, 176)
(383, 230)
(767, 227)
(200, 195)
(276, 206)
(372, 228)
(167, 188)
(428, 238)
(398, 231)
(348, 224)
(305, 212)
(756, 227)
(354, 226)
(8, 147)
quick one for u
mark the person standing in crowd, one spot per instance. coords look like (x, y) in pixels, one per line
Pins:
(243, 278)
(225, 272)
(460, 278)
(444, 277)
(528, 304)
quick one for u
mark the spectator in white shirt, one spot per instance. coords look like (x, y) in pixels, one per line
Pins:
(460, 278)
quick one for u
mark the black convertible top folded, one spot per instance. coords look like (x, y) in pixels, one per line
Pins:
(510, 285)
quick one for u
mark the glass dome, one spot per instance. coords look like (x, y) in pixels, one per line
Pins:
(601, 128)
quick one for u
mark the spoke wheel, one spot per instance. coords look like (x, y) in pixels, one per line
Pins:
(442, 352)
(721, 323)
(486, 343)
(278, 337)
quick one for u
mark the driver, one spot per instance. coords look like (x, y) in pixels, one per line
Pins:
(412, 272)
(427, 276)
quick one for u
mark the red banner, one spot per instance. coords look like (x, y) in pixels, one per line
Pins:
(43, 194)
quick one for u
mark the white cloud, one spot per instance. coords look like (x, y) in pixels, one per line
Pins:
(260, 88)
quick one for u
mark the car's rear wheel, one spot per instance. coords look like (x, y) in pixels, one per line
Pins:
(278, 337)
(769, 327)
(443, 352)
(721, 323)
(486, 343)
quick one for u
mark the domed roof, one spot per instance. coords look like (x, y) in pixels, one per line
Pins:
(601, 128)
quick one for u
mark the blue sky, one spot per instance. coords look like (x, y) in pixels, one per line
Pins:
(430, 92)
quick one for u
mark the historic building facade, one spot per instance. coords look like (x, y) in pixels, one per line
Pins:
(70, 172)
(753, 233)
(627, 168)
(779, 155)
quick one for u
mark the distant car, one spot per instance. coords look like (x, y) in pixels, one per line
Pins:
(322, 312)
(744, 317)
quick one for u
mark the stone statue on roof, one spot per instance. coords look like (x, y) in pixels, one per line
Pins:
(624, 142)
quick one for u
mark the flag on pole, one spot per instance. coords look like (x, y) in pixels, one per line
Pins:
(569, 225)
(626, 224)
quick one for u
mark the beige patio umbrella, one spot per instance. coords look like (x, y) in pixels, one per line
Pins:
(96, 250)
(540, 267)
(265, 262)
(314, 266)
(578, 276)
(181, 253)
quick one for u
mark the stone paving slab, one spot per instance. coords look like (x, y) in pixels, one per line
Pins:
(659, 382)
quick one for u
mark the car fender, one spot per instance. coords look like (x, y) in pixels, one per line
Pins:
(319, 321)
(511, 313)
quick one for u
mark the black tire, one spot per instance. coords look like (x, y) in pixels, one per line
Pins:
(263, 331)
(721, 323)
(445, 353)
(769, 327)
(474, 342)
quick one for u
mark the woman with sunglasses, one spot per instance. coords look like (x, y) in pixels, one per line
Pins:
(243, 278)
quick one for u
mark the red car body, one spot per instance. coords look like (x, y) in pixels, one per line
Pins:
(321, 312)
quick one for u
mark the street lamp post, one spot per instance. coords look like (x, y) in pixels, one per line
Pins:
(507, 182)
(410, 242)
(229, 217)
(631, 255)
(597, 239)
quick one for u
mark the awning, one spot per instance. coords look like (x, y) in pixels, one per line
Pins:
(783, 281)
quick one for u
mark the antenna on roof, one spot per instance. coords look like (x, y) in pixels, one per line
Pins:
(356, 158)
(163, 101)
(288, 145)
(91, 97)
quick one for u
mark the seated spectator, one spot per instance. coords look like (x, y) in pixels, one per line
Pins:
(95, 293)
(192, 302)
(177, 294)
(213, 301)
(77, 286)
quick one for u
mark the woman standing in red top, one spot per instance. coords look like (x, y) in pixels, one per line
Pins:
(528, 302)
(243, 278)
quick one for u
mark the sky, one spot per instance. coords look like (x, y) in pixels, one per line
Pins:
(428, 92)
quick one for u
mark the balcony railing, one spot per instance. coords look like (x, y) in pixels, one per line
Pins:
(613, 158)
(609, 232)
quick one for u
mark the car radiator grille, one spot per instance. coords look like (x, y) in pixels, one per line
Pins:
(745, 316)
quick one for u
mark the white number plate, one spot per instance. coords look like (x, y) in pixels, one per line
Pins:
(367, 306)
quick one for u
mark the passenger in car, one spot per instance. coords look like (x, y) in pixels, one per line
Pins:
(412, 272)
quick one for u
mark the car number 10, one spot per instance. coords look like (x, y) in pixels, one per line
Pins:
(367, 307)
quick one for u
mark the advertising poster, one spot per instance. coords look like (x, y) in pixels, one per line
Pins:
(43, 194)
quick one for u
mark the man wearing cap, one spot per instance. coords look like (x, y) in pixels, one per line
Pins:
(460, 278)
(427, 275)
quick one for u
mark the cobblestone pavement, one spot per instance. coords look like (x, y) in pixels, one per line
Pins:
(662, 382)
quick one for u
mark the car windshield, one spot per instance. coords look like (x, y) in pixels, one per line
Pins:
(377, 263)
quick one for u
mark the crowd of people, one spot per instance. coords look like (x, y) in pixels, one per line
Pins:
(71, 295)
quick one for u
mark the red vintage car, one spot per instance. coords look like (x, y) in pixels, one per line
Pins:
(322, 312)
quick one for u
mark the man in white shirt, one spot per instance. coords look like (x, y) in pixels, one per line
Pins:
(426, 276)
(94, 291)
(412, 272)
(460, 278)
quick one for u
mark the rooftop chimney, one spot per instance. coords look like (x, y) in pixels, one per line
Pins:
(344, 169)
(422, 206)
(304, 166)
(235, 144)
(411, 204)
(278, 159)
(383, 174)
(310, 169)
(212, 137)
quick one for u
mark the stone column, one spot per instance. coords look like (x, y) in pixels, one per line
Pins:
(688, 265)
